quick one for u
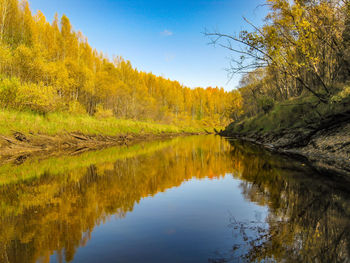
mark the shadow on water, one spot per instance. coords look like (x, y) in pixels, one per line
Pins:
(309, 213)
(52, 206)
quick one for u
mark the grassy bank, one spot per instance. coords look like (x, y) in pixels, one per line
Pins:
(292, 114)
(305, 127)
(59, 123)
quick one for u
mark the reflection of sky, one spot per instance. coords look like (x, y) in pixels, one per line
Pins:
(160, 36)
(185, 224)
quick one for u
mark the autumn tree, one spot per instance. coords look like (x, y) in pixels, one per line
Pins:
(301, 43)
(54, 61)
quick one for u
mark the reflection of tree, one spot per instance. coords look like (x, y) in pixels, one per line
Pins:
(58, 211)
(309, 218)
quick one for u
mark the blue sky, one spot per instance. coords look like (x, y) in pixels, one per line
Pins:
(163, 37)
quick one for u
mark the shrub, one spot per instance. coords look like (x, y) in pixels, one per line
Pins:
(266, 104)
(38, 98)
(343, 94)
(102, 113)
(74, 107)
(8, 91)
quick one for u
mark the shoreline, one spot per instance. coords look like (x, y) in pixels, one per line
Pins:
(321, 162)
(326, 147)
(16, 148)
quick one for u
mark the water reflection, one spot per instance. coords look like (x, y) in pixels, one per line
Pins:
(57, 210)
(309, 214)
(54, 206)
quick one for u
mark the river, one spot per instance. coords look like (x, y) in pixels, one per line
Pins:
(189, 199)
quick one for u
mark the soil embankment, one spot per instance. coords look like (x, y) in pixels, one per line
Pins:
(325, 144)
(18, 147)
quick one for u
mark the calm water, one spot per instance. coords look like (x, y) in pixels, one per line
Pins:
(194, 199)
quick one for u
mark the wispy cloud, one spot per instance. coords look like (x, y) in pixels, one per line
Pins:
(166, 33)
(169, 57)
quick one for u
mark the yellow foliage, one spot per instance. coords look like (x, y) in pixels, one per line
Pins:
(74, 107)
(36, 98)
(55, 65)
(8, 91)
(343, 94)
(102, 113)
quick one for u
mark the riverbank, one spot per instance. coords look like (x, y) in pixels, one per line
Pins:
(324, 141)
(23, 134)
(18, 147)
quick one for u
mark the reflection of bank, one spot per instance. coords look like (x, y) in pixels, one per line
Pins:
(60, 201)
(309, 219)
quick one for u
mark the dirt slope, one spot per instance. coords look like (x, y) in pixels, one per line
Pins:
(326, 144)
(18, 147)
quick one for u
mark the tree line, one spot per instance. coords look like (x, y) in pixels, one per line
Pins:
(46, 67)
(302, 49)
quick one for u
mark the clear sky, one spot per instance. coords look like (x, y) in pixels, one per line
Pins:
(163, 37)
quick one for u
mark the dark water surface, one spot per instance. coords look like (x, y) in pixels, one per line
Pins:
(193, 199)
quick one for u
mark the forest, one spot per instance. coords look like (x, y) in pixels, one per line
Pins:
(49, 67)
(277, 190)
(295, 67)
(297, 61)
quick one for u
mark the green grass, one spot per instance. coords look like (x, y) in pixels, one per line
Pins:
(59, 123)
(291, 114)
